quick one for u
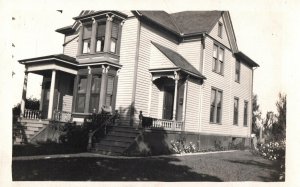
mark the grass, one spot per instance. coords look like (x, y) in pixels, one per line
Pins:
(233, 166)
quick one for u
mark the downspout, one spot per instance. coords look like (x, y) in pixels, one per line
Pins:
(132, 106)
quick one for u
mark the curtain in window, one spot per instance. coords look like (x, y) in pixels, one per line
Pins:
(219, 105)
(212, 105)
(81, 94)
(95, 93)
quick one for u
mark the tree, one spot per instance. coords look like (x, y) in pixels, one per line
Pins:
(279, 128)
(256, 115)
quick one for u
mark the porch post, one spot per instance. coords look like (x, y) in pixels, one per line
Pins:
(103, 87)
(175, 94)
(51, 95)
(108, 33)
(93, 38)
(24, 94)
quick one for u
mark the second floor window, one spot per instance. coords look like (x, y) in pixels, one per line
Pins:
(114, 37)
(237, 71)
(100, 37)
(87, 33)
(236, 111)
(218, 59)
(216, 106)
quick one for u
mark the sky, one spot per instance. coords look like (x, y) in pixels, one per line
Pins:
(259, 34)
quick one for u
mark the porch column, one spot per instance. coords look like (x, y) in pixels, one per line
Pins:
(103, 86)
(176, 77)
(108, 33)
(93, 37)
(24, 94)
(51, 95)
(79, 50)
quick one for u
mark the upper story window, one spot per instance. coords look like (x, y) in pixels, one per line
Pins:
(114, 37)
(237, 71)
(216, 105)
(86, 38)
(100, 37)
(220, 29)
(218, 59)
(236, 111)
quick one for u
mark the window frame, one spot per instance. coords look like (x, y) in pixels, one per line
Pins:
(93, 94)
(245, 120)
(237, 74)
(86, 39)
(84, 94)
(214, 116)
(218, 64)
(236, 111)
(220, 29)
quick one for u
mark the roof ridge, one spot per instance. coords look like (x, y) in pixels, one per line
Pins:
(179, 30)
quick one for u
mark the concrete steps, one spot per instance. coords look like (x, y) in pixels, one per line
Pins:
(117, 141)
(31, 128)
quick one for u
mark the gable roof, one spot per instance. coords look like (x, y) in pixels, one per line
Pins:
(179, 61)
(245, 59)
(184, 23)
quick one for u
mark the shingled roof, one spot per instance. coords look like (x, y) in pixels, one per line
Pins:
(184, 23)
(179, 61)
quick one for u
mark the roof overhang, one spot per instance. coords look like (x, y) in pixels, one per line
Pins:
(245, 59)
(101, 14)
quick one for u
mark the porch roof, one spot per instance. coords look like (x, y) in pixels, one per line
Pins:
(179, 61)
(59, 57)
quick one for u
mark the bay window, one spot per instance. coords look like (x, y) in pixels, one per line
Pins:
(109, 90)
(86, 39)
(114, 37)
(100, 37)
(81, 94)
(95, 93)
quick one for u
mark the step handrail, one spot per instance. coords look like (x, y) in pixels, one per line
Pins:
(92, 133)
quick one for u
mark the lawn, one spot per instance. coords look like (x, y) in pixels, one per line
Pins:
(230, 166)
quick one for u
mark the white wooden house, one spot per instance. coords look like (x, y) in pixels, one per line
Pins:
(183, 70)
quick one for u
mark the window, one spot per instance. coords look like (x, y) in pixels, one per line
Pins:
(100, 37)
(220, 29)
(245, 113)
(114, 37)
(95, 93)
(236, 111)
(81, 94)
(218, 59)
(237, 71)
(87, 32)
(216, 106)
(109, 91)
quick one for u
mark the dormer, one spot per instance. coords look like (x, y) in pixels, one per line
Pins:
(99, 36)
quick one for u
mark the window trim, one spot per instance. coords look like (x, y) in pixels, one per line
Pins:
(245, 114)
(217, 90)
(220, 29)
(216, 61)
(237, 114)
(237, 64)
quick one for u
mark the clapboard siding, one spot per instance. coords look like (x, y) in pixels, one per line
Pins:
(127, 60)
(192, 107)
(70, 48)
(214, 33)
(191, 52)
(230, 89)
(159, 60)
(143, 82)
(154, 102)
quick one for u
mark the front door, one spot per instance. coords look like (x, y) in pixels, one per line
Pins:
(168, 102)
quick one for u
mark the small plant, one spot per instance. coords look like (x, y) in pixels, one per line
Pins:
(179, 146)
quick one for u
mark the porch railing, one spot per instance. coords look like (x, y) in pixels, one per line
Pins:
(148, 122)
(62, 116)
(32, 114)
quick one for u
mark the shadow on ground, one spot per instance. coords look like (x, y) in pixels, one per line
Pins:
(105, 169)
(272, 166)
